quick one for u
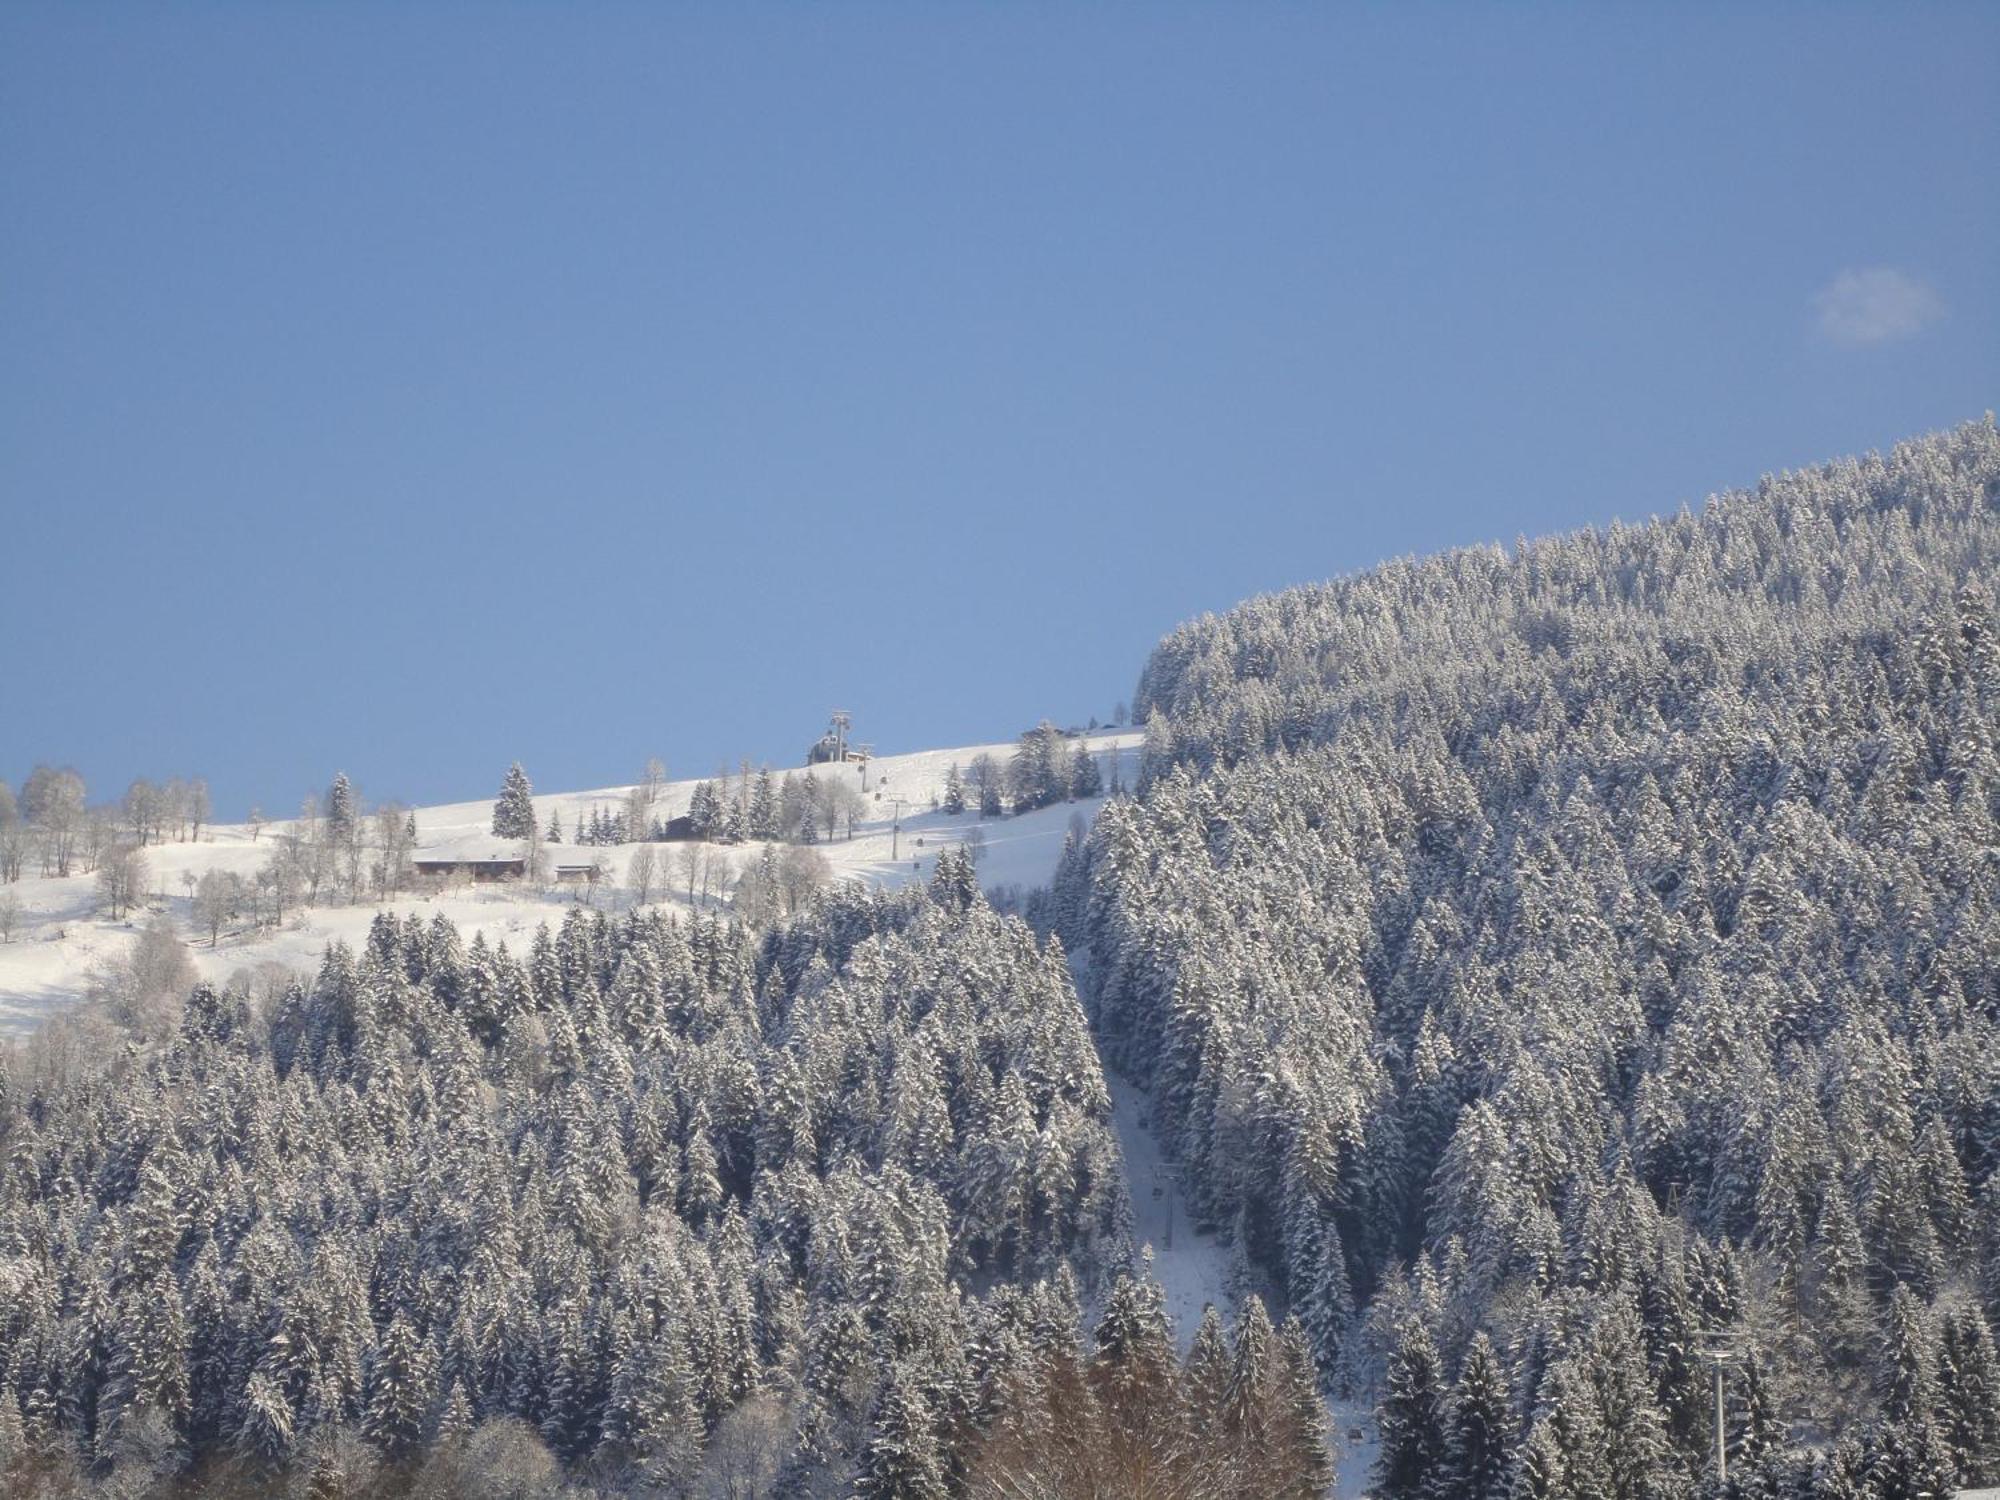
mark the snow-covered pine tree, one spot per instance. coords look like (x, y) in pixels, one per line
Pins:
(514, 809)
(1479, 1428)
(342, 816)
(955, 883)
(1086, 778)
(764, 807)
(903, 1460)
(401, 1389)
(1206, 1378)
(1414, 1455)
(1301, 1456)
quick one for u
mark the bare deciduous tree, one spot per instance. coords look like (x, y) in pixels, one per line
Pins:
(506, 1460)
(217, 898)
(52, 802)
(121, 877)
(642, 800)
(395, 836)
(640, 875)
(839, 803)
(747, 1451)
(693, 863)
(718, 875)
(146, 988)
(174, 807)
(100, 835)
(285, 872)
(802, 871)
(10, 915)
(304, 836)
(987, 781)
(14, 837)
(142, 811)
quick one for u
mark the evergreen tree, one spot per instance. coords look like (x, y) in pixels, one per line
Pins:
(1413, 1457)
(1086, 779)
(1247, 1406)
(514, 810)
(1301, 1448)
(705, 811)
(342, 816)
(1478, 1423)
(268, 1422)
(955, 883)
(1969, 1380)
(1637, 1459)
(1911, 1360)
(1539, 1472)
(764, 807)
(401, 1389)
(1138, 1388)
(903, 1460)
(1207, 1373)
(1321, 1295)
(1913, 1461)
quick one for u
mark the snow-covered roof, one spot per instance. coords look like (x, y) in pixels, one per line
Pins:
(471, 846)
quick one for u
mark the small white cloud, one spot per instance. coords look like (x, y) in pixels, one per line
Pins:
(1875, 306)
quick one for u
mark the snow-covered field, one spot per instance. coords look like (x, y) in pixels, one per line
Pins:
(60, 937)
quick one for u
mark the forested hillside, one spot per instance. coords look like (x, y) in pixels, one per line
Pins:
(1560, 964)
(1558, 972)
(609, 1189)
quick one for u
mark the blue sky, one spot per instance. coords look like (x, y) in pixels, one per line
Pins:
(413, 388)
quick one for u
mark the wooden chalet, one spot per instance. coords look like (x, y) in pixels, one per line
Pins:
(482, 869)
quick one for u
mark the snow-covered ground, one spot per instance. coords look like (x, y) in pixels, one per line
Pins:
(1195, 1269)
(60, 937)
(1192, 1268)
(1357, 1453)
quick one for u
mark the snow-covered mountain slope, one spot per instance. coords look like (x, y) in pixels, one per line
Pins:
(61, 937)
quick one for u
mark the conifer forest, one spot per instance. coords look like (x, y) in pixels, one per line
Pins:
(1564, 976)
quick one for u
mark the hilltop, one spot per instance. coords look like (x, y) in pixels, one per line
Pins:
(63, 937)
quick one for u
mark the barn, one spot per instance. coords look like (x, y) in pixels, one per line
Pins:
(478, 858)
(482, 869)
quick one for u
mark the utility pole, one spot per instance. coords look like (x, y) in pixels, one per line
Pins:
(1721, 1447)
(1720, 1350)
(1166, 1178)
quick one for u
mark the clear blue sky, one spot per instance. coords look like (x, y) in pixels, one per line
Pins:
(411, 388)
